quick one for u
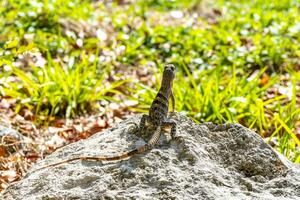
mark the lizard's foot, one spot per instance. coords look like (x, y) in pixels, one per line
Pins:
(172, 114)
(171, 123)
(222, 127)
(219, 127)
(132, 127)
(178, 139)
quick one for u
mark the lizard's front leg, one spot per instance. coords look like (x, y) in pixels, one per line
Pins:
(171, 123)
(172, 101)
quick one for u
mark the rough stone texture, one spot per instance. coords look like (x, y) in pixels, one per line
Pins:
(206, 164)
(11, 139)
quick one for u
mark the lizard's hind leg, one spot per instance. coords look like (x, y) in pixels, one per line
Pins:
(143, 126)
(136, 128)
(143, 122)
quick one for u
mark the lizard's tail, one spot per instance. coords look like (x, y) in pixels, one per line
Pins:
(125, 155)
(138, 150)
(120, 157)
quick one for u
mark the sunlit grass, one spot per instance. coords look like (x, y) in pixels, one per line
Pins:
(211, 95)
(62, 89)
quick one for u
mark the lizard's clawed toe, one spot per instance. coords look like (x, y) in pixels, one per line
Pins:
(178, 139)
(132, 127)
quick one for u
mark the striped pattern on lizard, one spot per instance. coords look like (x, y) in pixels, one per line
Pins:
(155, 122)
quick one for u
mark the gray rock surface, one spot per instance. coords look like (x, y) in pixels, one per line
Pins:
(11, 139)
(205, 164)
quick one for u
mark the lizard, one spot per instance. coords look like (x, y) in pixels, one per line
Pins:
(156, 121)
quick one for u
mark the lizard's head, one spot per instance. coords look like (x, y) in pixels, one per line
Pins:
(169, 74)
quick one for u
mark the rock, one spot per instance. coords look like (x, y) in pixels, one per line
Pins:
(10, 140)
(207, 163)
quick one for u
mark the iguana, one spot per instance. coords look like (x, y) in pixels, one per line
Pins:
(155, 122)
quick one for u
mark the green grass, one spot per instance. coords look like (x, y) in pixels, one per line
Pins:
(222, 57)
(220, 98)
(69, 83)
(58, 89)
(216, 60)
